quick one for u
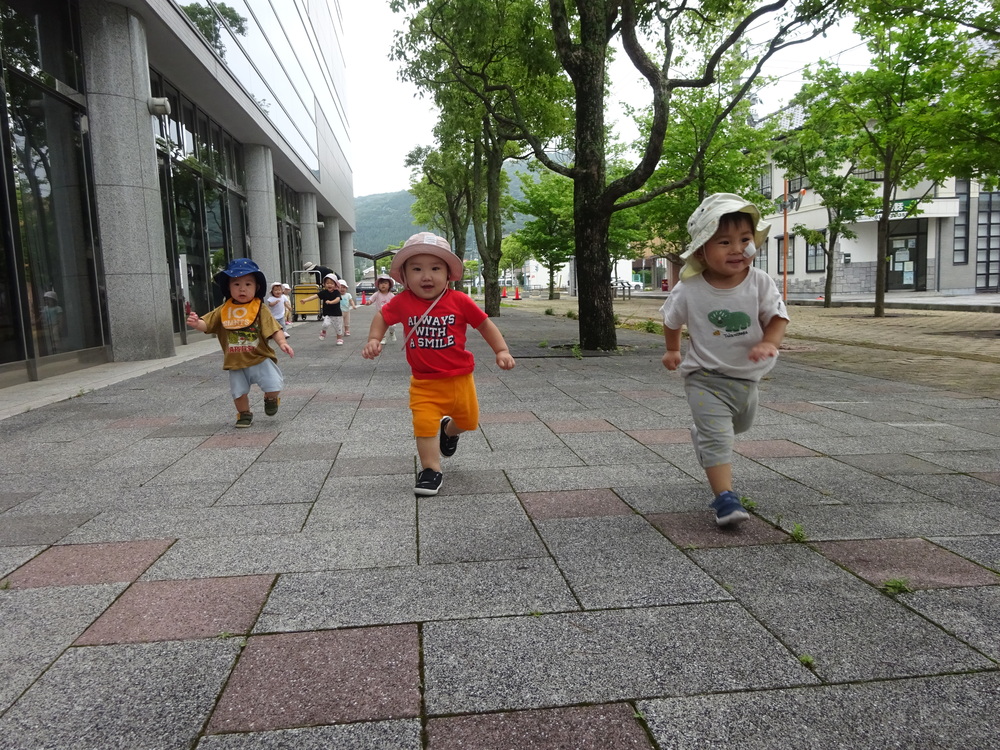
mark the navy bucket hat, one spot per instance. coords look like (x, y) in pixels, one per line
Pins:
(240, 267)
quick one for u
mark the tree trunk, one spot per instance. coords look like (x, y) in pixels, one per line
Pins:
(882, 248)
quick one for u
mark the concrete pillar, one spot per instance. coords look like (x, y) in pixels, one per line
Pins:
(262, 210)
(347, 256)
(126, 183)
(309, 230)
(329, 244)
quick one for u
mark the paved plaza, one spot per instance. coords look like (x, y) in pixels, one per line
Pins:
(168, 581)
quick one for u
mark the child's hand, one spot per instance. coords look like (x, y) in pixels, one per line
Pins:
(672, 360)
(192, 319)
(763, 350)
(286, 349)
(505, 361)
(372, 349)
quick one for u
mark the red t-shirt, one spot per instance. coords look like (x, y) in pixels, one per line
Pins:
(437, 348)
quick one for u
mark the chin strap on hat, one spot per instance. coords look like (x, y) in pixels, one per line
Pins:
(423, 317)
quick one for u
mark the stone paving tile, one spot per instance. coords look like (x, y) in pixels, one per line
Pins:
(508, 417)
(660, 437)
(358, 467)
(133, 696)
(969, 613)
(276, 483)
(770, 449)
(868, 520)
(345, 547)
(984, 550)
(49, 528)
(580, 425)
(605, 727)
(967, 461)
(598, 448)
(38, 625)
(351, 598)
(84, 564)
(241, 439)
(474, 528)
(893, 463)
(12, 558)
(177, 610)
(919, 563)
(699, 530)
(793, 407)
(597, 657)
(622, 561)
(402, 734)
(10, 500)
(573, 504)
(590, 477)
(990, 476)
(189, 523)
(329, 677)
(867, 716)
(802, 601)
(93, 500)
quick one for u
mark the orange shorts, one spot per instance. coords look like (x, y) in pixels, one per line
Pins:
(445, 397)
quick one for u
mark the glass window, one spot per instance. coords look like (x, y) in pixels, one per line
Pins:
(815, 258)
(791, 254)
(960, 245)
(38, 40)
(760, 259)
(63, 299)
(764, 182)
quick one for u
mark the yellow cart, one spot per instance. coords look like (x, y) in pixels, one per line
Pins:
(304, 285)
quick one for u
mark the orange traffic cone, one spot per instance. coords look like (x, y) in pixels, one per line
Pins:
(364, 298)
(517, 292)
(503, 295)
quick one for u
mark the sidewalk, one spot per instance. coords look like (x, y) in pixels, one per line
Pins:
(170, 582)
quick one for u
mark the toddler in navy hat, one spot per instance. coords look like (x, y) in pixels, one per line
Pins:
(244, 326)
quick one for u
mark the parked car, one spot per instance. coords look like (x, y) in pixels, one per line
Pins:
(635, 286)
(366, 287)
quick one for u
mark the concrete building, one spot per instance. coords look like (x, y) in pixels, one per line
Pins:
(145, 146)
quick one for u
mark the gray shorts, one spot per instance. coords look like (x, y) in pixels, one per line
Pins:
(722, 408)
(265, 374)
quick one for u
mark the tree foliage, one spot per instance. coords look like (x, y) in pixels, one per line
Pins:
(210, 19)
(548, 235)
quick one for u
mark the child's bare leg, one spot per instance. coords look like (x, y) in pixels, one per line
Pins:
(242, 403)
(720, 478)
(429, 452)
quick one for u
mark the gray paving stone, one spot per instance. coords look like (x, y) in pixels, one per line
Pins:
(568, 659)
(38, 624)
(590, 477)
(984, 550)
(92, 501)
(12, 558)
(969, 613)
(179, 523)
(868, 520)
(404, 734)
(939, 712)
(802, 600)
(343, 548)
(274, 483)
(622, 561)
(311, 601)
(480, 527)
(29, 529)
(140, 695)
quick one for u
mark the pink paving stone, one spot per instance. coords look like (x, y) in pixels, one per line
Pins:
(771, 449)
(147, 422)
(922, 564)
(573, 504)
(176, 610)
(507, 417)
(698, 530)
(581, 425)
(993, 477)
(794, 407)
(245, 438)
(602, 727)
(87, 564)
(322, 677)
(660, 437)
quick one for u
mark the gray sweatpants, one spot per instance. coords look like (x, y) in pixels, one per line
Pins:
(722, 408)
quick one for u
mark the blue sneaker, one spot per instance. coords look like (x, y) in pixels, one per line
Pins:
(728, 509)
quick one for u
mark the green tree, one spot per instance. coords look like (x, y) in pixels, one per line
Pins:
(210, 19)
(890, 112)
(548, 236)
(484, 58)
(442, 187)
(829, 163)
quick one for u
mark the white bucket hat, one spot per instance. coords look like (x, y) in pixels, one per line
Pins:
(704, 222)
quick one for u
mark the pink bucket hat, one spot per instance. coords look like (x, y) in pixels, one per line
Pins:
(426, 243)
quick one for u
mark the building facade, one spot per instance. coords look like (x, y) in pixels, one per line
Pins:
(145, 145)
(944, 238)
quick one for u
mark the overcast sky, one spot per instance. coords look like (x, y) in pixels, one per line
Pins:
(388, 119)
